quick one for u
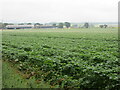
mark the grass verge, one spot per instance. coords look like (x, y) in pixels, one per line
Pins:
(12, 78)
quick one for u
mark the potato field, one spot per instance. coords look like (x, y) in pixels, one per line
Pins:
(67, 58)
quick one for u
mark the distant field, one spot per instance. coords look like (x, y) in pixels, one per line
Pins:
(69, 58)
(64, 30)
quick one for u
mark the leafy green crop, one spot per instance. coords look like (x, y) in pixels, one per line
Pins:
(84, 59)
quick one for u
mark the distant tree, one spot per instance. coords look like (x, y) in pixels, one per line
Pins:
(37, 24)
(105, 26)
(29, 23)
(101, 26)
(54, 25)
(10, 24)
(3, 25)
(21, 24)
(86, 25)
(67, 24)
(40, 24)
(60, 25)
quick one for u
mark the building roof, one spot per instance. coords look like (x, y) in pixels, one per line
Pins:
(18, 26)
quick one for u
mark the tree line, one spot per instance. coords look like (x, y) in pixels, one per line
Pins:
(57, 25)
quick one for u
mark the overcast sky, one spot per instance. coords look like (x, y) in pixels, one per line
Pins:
(59, 11)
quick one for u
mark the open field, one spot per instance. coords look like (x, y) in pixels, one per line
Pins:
(68, 58)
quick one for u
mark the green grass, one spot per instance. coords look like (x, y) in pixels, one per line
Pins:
(13, 79)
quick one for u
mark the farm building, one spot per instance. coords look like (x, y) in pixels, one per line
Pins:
(45, 26)
(27, 26)
(19, 26)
